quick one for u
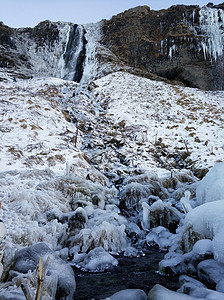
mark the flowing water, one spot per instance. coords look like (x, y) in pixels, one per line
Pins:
(131, 273)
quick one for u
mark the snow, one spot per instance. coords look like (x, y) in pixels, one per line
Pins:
(192, 124)
(206, 221)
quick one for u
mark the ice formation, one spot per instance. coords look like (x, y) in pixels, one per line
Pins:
(197, 290)
(205, 221)
(161, 236)
(160, 214)
(211, 272)
(112, 238)
(211, 25)
(159, 292)
(211, 187)
(97, 260)
(69, 59)
(129, 294)
(210, 31)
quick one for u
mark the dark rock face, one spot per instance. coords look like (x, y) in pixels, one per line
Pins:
(170, 43)
(6, 41)
(45, 33)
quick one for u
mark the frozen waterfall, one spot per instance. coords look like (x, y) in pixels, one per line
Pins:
(79, 62)
(211, 25)
(71, 61)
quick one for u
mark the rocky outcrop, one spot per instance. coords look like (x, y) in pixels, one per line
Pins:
(172, 43)
(183, 44)
(49, 49)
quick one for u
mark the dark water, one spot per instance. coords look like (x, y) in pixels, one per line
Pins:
(132, 273)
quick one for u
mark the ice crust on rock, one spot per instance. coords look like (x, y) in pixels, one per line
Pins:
(212, 272)
(59, 275)
(111, 237)
(160, 214)
(97, 260)
(129, 294)
(161, 236)
(159, 292)
(203, 246)
(200, 292)
(211, 187)
(205, 222)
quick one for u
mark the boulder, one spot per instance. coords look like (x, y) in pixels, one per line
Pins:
(129, 294)
(28, 258)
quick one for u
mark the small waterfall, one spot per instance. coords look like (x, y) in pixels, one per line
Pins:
(71, 62)
(211, 22)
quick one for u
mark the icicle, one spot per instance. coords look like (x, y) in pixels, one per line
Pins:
(185, 202)
(211, 25)
(146, 216)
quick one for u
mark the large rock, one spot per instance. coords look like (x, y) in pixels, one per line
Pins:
(171, 43)
(28, 258)
(129, 294)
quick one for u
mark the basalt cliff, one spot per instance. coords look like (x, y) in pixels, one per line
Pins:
(182, 44)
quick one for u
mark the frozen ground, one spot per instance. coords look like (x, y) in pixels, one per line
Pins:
(126, 139)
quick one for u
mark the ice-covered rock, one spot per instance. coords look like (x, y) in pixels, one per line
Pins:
(200, 292)
(211, 187)
(187, 279)
(11, 293)
(195, 288)
(159, 292)
(160, 214)
(161, 236)
(173, 265)
(211, 272)
(203, 246)
(77, 221)
(205, 222)
(97, 260)
(57, 273)
(109, 236)
(129, 294)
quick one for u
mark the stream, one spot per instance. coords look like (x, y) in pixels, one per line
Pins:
(131, 273)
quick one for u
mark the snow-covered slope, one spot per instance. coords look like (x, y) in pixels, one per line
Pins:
(64, 150)
(181, 120)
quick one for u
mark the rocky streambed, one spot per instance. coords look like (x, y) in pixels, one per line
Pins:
(131, 273)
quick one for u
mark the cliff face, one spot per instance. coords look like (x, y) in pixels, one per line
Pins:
(182, 43)
(49, 49)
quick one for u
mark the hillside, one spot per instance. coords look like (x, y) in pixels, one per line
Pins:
(101, 161)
